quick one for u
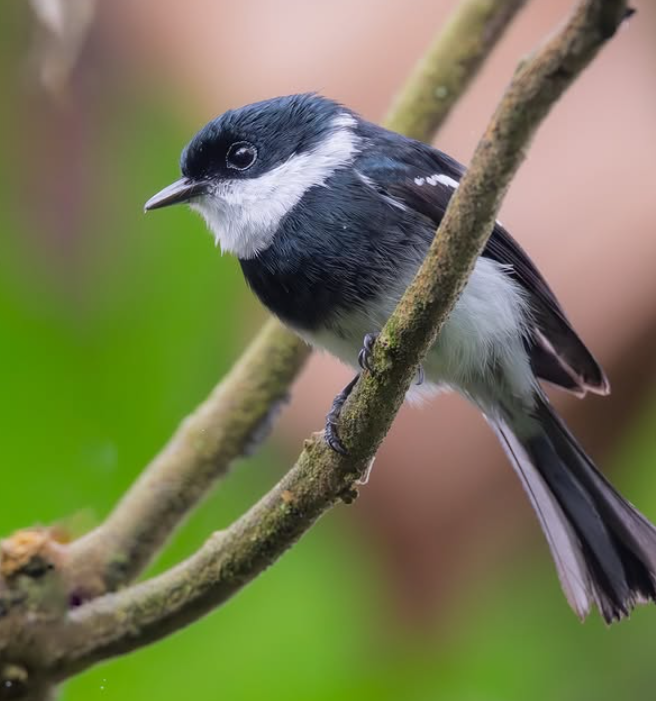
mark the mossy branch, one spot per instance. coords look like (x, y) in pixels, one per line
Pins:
(121, 622)
(227, 426)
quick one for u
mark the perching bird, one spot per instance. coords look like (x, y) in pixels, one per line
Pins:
(330, 217)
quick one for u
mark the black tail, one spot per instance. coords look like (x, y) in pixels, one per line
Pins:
(604, 548)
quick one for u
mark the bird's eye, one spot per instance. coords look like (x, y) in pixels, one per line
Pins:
(241, 155)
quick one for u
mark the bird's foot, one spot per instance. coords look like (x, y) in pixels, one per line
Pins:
(332, 418)
(364, 357)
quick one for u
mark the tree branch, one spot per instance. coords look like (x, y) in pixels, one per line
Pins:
(449, 65)
(121, 622)
(221, 430)
(225, 427)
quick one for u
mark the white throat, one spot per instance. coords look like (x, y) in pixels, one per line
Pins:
(243, 215)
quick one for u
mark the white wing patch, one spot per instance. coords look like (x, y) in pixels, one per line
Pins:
(440, 178)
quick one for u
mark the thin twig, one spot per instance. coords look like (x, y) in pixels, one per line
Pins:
(122, 622)
(449, 65)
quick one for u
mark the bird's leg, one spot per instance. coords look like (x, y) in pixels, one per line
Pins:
(332, 435)
(332, 418)
(364, 357)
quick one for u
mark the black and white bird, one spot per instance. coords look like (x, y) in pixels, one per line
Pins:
(330, 217)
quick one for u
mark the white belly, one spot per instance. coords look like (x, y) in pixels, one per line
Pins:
(480, 344)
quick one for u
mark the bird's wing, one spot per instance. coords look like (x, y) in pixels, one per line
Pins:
(424, 180)
(558, 354)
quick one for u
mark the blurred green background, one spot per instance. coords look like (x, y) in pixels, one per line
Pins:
(114, 325)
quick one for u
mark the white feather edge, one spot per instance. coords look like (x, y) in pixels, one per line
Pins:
(563, 541)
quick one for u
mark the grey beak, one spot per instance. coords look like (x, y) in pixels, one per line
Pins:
(179, 192)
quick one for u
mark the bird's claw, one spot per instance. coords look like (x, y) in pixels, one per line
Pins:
(331, 433)
(364, 356)
(332, 438)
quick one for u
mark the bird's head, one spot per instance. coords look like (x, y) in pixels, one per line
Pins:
(246, 169)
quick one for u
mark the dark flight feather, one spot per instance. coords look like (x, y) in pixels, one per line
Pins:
(557, 353)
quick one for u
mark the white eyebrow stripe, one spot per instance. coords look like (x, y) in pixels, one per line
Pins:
(440, 178)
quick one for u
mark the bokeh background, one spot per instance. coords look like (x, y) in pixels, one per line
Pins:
(437, 583)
